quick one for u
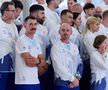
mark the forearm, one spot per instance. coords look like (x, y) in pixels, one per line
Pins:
(30, 60)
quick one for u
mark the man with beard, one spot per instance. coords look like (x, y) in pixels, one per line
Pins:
(28, 57)
(38, 12)
(66, 61)
(42, 32)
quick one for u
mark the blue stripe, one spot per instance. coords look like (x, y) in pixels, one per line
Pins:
(6, 64)
(27, 87)
(7, 81)
(98, 85)
(65, 88)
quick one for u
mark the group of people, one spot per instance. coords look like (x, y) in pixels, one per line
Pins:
(54, 49)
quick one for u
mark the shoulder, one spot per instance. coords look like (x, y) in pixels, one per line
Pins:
(95, 54)
(21, 39)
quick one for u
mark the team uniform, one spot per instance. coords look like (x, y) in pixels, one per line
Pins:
(104, 31)
(88, 41)
(26, 78)
(8, 37)
(99, 67)
(65, 60)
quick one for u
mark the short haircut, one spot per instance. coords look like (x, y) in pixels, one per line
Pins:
(29, 17)
(48, 1)
(18, 4)
(75, 15)
(64, 12)
(99, 40)
(105, 14)
(4, 6)
(36, 7)
(75, 0)
(88, 6)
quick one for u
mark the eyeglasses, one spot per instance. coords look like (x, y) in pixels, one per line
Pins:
(11, 10)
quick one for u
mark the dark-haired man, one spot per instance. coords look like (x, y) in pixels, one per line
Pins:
(18, 9)
(29, 57)
(8, 37)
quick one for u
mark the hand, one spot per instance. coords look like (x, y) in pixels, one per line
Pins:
(75, 83)
(32, 62)
(42, 67)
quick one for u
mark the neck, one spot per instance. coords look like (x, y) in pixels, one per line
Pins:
(105, 23)
(6, 20)
(65, 41)
(29, 35)
(92, 31)
(51, 7)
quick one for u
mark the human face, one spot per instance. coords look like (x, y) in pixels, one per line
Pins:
(17, 13)
(10, 12)
(65, 32)
(106, 2)
(77, 8)
(56, 3)
(69, 18)
(98, 10)
(103, 47)
(90, 12)
(30, 26)
(95, 26)
(70, 4)
(40, 16)
(78, 21)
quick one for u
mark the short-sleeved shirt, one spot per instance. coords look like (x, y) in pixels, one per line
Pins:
(25, 74)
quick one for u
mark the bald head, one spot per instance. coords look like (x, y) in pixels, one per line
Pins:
(65, 32)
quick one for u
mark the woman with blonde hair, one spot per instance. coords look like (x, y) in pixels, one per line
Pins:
(92, 26)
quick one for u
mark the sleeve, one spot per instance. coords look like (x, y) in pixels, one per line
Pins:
(21, 46)
(99, 61)
(58, 66)
(39, 49)
(80, 65)
(88, 44)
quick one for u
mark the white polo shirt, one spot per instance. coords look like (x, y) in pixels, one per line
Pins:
(25, 74)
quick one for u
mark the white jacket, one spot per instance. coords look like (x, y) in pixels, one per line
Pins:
(65, 61)
(99, 65)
